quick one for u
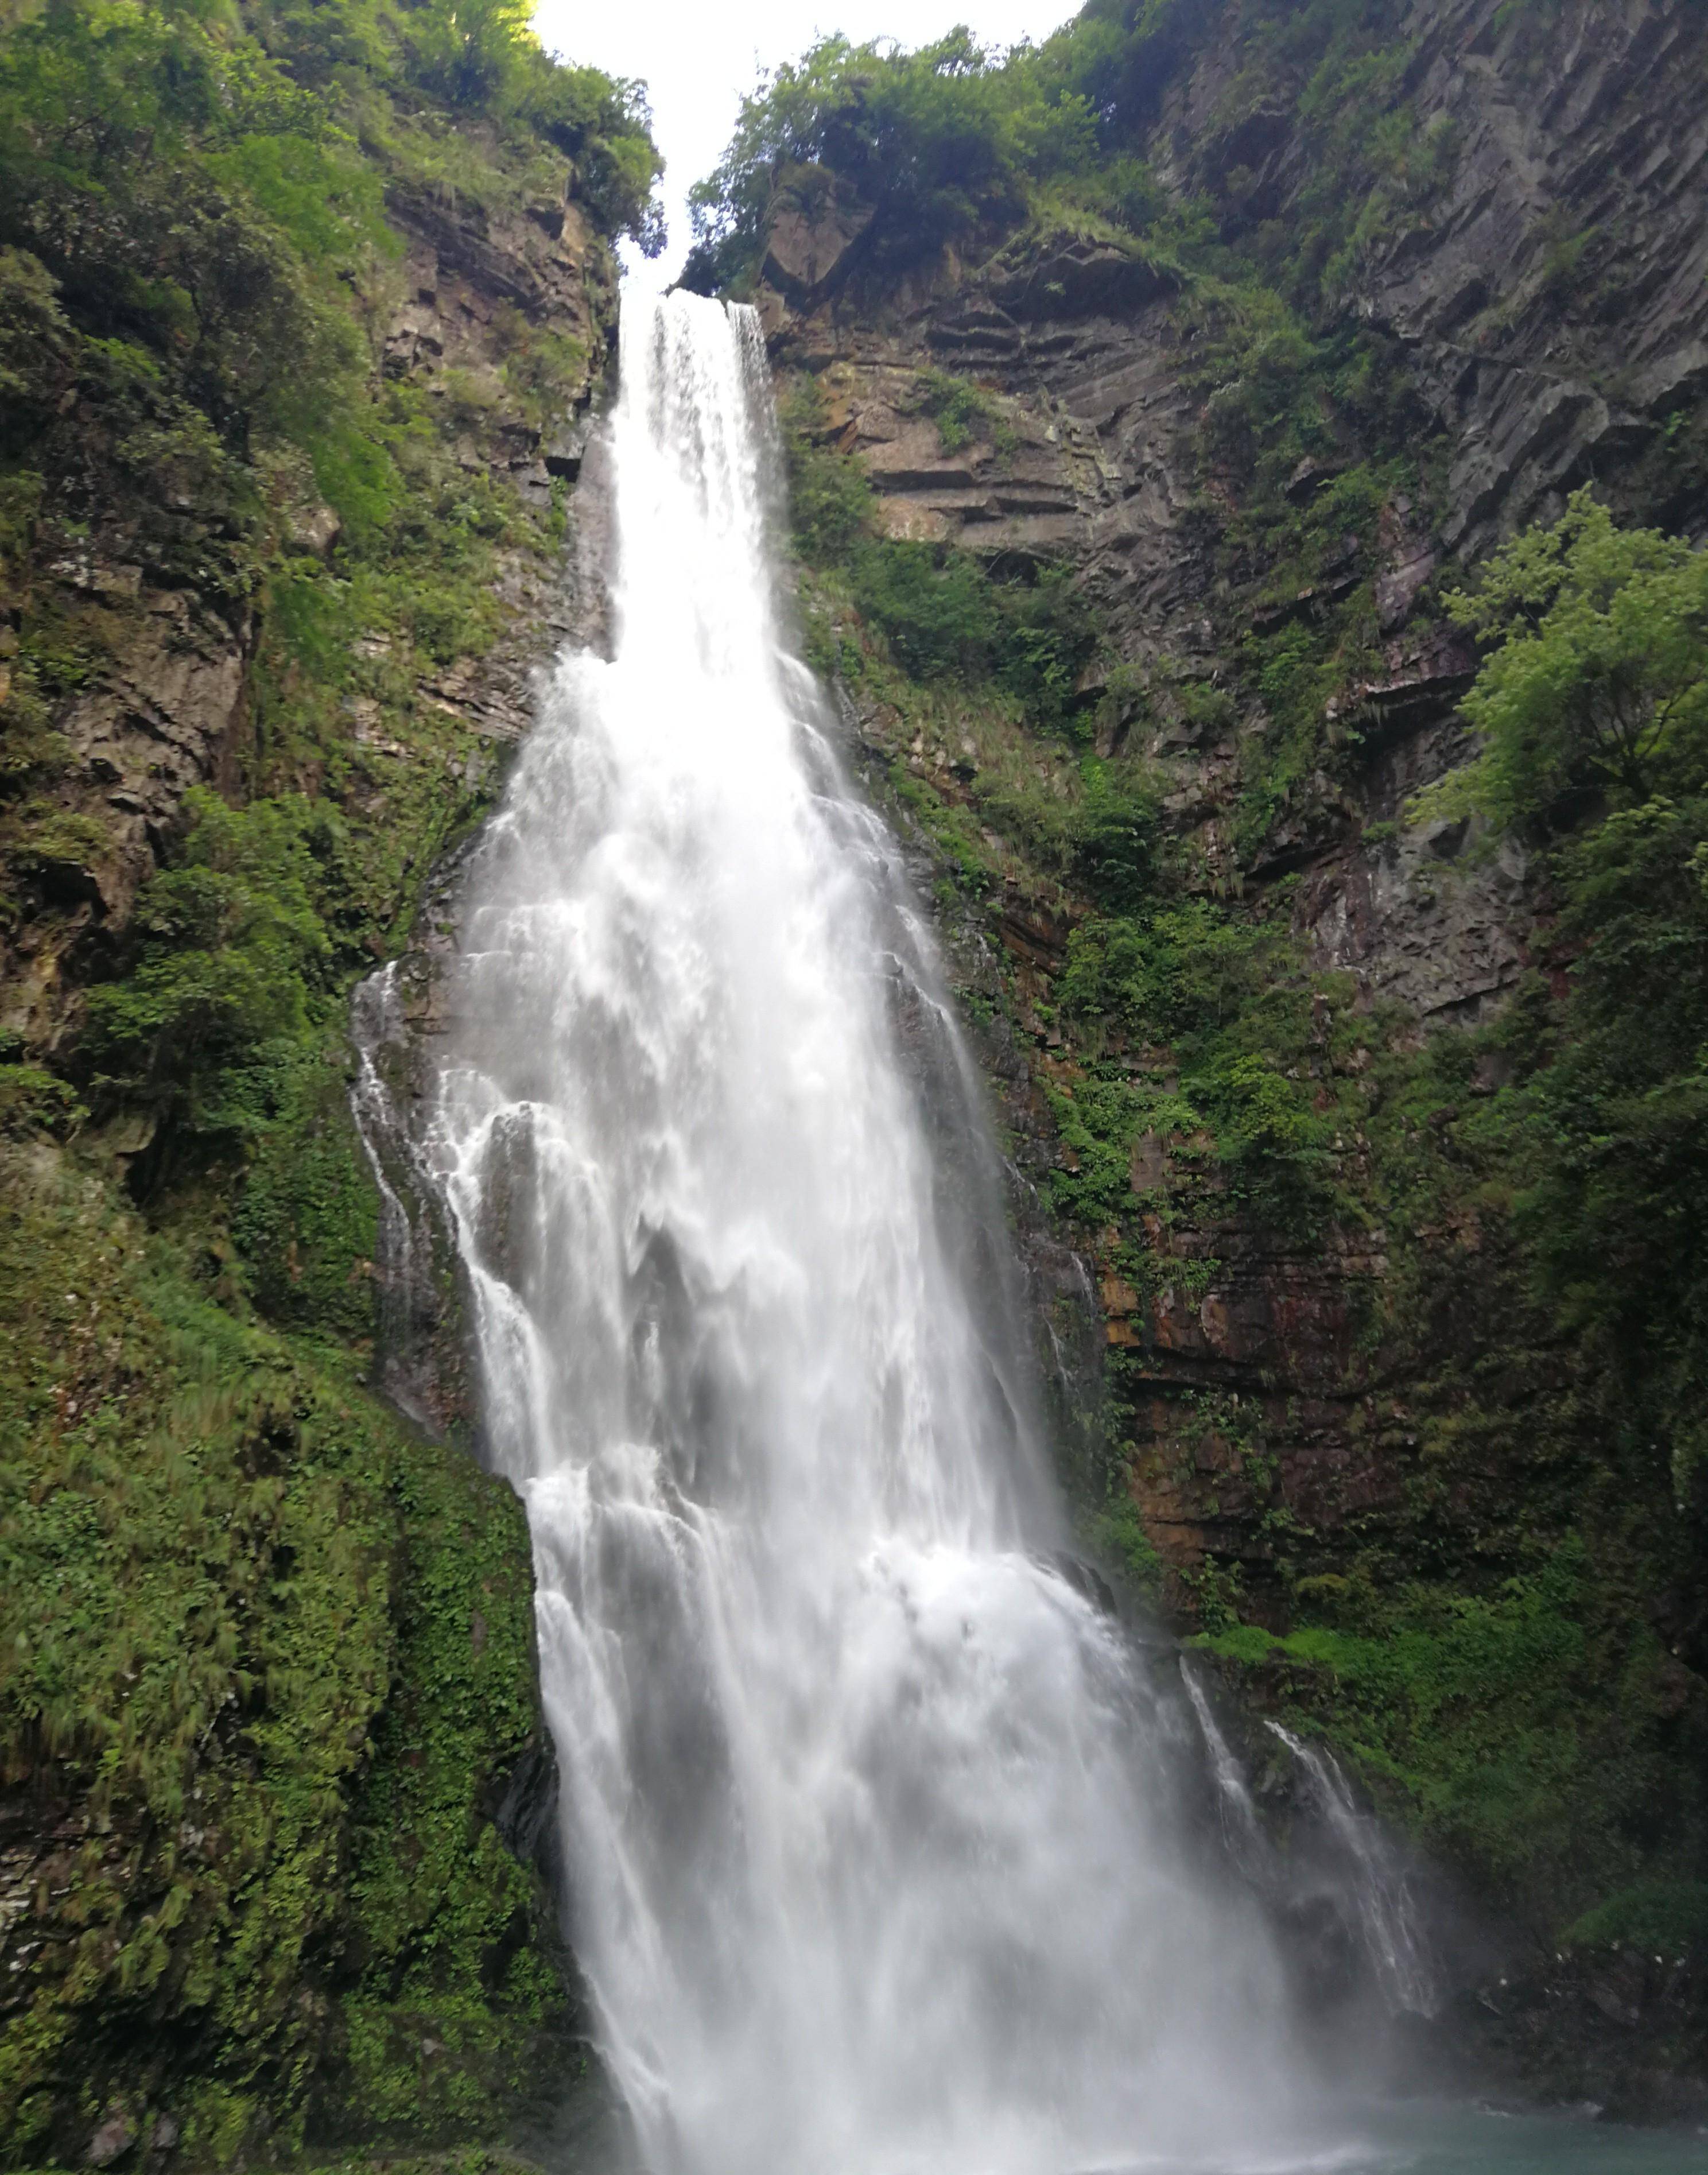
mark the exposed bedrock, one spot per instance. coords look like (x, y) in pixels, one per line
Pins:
(1547, 312)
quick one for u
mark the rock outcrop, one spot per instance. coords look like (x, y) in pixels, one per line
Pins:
(275, 1777)
(146, 574)
(1538, 311)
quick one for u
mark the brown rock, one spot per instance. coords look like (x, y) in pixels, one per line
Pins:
(816, 225)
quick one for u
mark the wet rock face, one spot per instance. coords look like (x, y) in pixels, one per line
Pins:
(469, 274)
(1552, 301)
(155, 723)
(1619, 2035)
(1579, 180)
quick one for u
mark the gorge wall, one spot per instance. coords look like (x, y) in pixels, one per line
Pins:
(1124, 523)
(299, 311)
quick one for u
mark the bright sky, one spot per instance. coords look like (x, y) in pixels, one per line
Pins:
(697, 57)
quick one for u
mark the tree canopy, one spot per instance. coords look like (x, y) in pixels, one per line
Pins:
(1597, 682)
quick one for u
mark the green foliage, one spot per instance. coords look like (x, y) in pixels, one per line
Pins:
(1118, 1533)
(269, 1653)
(1660, 1917)
(938, 141)
(1115, 838)
(35, 1101)
(185, 178)
(1599, 679)
(942, 616)
(939, 611)
(1603, 1124)
(232, 953)
(33, 333)
(935, 609)
(1516, 1210)
(830, 501)
(1098, 1119)
(470, 54)
(952, 143)
(963, 412)
(1470, 1711)
(306, 1223)
(235, 1584)
(1227, 997)
(1375, 172)
(1591, 699)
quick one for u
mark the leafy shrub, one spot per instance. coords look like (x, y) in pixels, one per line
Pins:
(1599, 679)
(34, 1101)
(943, 617)
(1115, 841)
(306, 1223)
(935, 609)
(962, 412)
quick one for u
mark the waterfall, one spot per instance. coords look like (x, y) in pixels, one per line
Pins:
(1239, 1827)
(876, 1858)
(376, 1024)
(1378, 1889)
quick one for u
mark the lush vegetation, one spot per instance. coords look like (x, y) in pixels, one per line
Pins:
(268, 1653)
(268, 1664)
(1541, 1184)
(955, 143)
(1592, 702)
(1505, 1647)
(1596, 691)
(1536, 1190)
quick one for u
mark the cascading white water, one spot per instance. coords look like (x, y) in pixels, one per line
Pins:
(870, 1815)
(1379, 1889)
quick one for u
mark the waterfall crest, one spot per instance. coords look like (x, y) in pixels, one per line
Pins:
(875, 1858)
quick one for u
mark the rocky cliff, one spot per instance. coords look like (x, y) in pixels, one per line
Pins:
(1145, 398)
(1398, 282)
(299, 313)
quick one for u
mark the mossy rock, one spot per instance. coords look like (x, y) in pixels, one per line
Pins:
(269, 1669)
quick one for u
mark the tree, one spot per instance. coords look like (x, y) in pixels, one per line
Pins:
(1596, 684)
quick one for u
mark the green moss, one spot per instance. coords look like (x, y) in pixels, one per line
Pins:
(278, 1650)
(306, 1224)
(1521, 1730)
(1118, 1534)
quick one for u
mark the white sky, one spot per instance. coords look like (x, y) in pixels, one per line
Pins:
(697, 58)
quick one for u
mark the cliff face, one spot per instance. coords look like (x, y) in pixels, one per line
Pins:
(293, 366)
(283, 453)
(1342, 1433)
(150, 582)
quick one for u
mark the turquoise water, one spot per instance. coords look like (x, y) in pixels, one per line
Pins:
(1410, 2138)
(1420, 2139)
